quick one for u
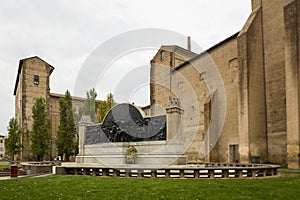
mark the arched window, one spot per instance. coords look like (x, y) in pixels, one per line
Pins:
(162, 55)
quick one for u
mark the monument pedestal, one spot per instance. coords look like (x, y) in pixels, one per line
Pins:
(149, 153)
(162, 152)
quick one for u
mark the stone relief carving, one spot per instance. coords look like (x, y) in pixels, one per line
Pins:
(85, 119)
(173, 101)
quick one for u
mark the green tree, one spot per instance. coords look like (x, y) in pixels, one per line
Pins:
(66, 140)
(110, 101)
(40, 133)
(89, 107)
(13, 142)
(104, 106)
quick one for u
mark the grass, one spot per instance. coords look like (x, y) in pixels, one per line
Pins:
(3, 166)
(89, 187)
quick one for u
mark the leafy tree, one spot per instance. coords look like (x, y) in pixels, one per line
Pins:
(110, 100)
(104, 106)
(40, 133)
(89, 107)
(13, 141)
(66, 140)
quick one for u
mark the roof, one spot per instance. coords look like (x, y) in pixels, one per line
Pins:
(56, 95)
(209, 49)
(20, 68)
(178, 49)
(187, 54)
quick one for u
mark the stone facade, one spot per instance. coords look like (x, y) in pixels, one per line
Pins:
(259, 70)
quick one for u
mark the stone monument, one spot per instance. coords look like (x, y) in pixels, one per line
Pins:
(157, 140)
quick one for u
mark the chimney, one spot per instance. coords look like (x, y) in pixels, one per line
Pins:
(189, 43)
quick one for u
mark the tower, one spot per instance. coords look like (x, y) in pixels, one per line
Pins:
(32, 82)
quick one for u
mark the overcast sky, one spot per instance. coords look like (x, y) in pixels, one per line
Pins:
(65, 32)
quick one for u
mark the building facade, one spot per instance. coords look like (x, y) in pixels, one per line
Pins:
(260, 73)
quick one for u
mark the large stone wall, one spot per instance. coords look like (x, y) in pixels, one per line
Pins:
(225, 59)
(292, 51)
(274, 55)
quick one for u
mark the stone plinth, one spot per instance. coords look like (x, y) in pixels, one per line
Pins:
(150, 153)
(166, 152)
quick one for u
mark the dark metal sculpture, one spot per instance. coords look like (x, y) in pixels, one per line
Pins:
(124, 123)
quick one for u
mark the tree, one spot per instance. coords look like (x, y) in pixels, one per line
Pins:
(66, 140)
(89, 107)
(40, 133)
(13, 142)
(110, 101)
(104, 106)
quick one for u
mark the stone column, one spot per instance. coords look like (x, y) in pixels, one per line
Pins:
(175, 138)
(174, 122)
(82, 124)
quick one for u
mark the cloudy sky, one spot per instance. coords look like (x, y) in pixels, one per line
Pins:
(65, 32)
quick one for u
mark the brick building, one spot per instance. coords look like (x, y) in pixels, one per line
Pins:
(33, 80)
(259, 67)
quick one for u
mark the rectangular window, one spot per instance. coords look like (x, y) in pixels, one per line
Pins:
(36, 79)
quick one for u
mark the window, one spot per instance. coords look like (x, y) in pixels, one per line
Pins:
(36, 79)
(162, 55)
(1, 141)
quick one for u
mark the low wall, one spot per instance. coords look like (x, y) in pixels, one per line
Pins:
(175, 171)
(32, 168)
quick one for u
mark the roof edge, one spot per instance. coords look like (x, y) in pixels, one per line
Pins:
(209, 49)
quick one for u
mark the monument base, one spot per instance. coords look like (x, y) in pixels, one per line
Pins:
(148, 153)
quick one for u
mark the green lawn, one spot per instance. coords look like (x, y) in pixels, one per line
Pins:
(2, 166)
(88, 187)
